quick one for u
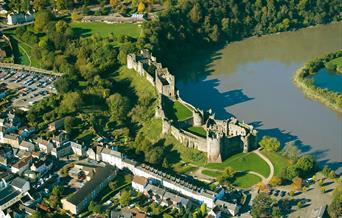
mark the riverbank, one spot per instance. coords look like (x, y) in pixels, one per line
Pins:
(330, 99)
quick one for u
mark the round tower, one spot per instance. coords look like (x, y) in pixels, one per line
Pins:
(197, 118)
(214, 148)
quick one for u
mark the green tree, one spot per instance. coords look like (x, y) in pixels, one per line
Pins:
(270, 144)
(305, 165)
(203, 209)
(195, 13)
(125, 197)
(118, 106)
(335, 208)
(42, 19)
(40, 4)
(229, 172)
(71, 102)
(262, 206)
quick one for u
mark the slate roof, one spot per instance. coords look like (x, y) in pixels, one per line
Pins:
(18, 182)
(101, 174)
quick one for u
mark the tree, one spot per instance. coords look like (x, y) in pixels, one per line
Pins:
(290, 151)
(203, 209)
(326, 170)
(74, 15)
(42, 19)
(299, 204)
(195, 13)
(275, 181)
(65, 84)
(262, 205)
(335, 208)
(71, 102)
(114, 3)
(141, 7)
(40, 4)
(229, 172)
(35, 215)
(113, 185)
(305, 165)
(125, 197)
(297, 183)
(118, 106)
(270, 144)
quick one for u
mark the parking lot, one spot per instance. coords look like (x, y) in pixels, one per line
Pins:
(30, 86)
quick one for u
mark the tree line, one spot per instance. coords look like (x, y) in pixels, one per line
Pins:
(187, 25)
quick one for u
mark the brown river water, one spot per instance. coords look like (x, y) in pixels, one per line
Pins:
(252, 80)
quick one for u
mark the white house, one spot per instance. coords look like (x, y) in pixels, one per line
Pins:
(111, 157)
(16, 18)
(139, 183)
(41, 166)
(20, 184)
(26, 146)
(44, 145)
(22, 165)
(78, 149)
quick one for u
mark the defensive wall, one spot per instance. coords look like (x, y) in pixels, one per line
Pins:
(223, 137)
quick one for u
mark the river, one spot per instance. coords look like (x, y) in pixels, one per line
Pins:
(252, 80)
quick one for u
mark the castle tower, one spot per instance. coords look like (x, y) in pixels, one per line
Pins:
(214, 147)
(131, 59)
(197, 118)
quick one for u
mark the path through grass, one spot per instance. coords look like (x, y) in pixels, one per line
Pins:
(243, 162)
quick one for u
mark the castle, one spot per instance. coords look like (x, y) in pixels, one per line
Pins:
(223, 137)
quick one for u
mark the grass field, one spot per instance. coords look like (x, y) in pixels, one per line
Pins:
(337, 61)
(197, 131)
(104, 29)
(176, 111)
(141, 86)
(246, 180)
(243, 162)
(22, 52)
(212, 173)
(279, 162)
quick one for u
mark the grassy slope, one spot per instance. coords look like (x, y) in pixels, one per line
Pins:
(211, 173)
(176, 111)
(140, 85)
(197, 131)
(246, 180)
(104, 29)
(279, 162)
(243, 162)
(337, 61)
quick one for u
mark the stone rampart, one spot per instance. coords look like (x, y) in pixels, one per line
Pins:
(222, 135)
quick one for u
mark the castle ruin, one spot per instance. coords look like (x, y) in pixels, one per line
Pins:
(223, 137)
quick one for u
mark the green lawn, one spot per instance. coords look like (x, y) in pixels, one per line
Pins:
(176, 111)
(336, 61)
(243, 162)
(198, 131)
(104, 29)
(246, 180)
(212, 173)
(141, 86)
(19, 48)
(279, 162)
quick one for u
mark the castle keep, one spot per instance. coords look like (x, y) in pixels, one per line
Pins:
(223, 137)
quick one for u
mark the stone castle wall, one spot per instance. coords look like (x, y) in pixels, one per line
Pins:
(224, 137)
